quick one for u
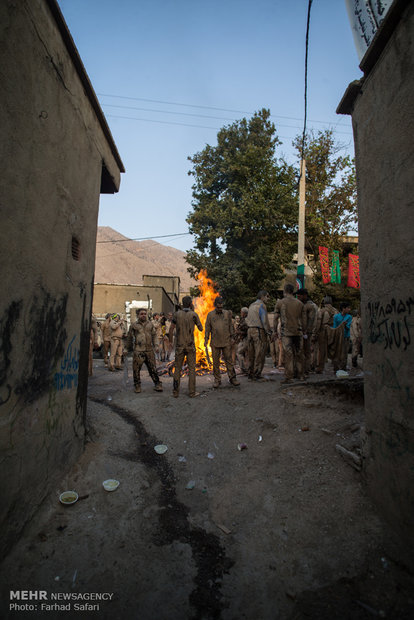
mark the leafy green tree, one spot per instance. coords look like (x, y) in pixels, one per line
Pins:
(244, 210)
(331, 208)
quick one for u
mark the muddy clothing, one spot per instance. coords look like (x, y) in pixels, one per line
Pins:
(142, 338)
(220, 330)
(257, 316)
(159, 338)
(117, 334)
(356, 339)
(292, 317)
(258, 330)
(324, 319)
(257, 343)
(219, 326)
(157, 326)
(148, 358)
(167, 345)
(185, 320)
(311, 310)
(242, 351)
(93, 339)
(309, 318)
(106, 336)
(335, 346)
(241, 330)
(106, 330)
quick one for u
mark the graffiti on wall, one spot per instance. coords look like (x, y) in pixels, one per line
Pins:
(390, 323)
(67, 377)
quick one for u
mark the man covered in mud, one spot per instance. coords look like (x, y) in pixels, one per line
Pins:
(241, 341)
(324, 319)
(117, 333)
(220, 328)
(291, 312)
(183, 323)
(258, 331)
(142, 338)
(311, 311)
(106, 337)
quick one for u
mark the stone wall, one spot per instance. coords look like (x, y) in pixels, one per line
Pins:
(383, 121)
(53, 154)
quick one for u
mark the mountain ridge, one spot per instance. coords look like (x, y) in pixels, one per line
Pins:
(120, 260)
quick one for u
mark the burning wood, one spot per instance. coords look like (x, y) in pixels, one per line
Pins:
(203, 304)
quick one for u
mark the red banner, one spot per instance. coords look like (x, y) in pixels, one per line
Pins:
(324, 260)
(353, 271)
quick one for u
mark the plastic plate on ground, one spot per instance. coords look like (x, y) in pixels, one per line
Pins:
(110, 485)
(160, 449)
(68, 497)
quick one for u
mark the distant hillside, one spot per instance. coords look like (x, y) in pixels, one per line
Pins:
(125, 262)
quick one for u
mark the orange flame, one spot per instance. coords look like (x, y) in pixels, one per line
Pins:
(203, 305)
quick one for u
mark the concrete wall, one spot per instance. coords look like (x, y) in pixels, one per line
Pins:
(112, 298)
(171, 284)
(52, 152)
(383, 121)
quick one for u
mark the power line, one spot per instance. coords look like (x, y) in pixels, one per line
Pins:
(204, 107)
(150, 120)
(145, 238)
(187, 105)
(108, 105)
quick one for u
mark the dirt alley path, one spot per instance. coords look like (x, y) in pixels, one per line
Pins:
(280, 530)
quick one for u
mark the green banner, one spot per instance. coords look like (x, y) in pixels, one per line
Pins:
(336, 268)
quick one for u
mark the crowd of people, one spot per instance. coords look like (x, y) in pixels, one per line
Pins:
(300, 340)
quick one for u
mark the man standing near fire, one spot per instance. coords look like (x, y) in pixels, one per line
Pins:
(183, 322)
(292, 316)
(258, 331)
(220, 328)
(142, 338)
(241, 340)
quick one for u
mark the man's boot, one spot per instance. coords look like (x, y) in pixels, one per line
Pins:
(234, 381)
(216, 383)
(137, 389)
(355, 362)
(158, 387)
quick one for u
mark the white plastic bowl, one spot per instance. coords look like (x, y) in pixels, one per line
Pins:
(161, 448)
(68, 497)
(110, 485)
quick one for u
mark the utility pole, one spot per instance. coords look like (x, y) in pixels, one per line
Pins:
(300, 278)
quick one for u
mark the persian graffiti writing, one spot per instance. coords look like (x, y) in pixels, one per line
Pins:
(67, 378)
(391, 323)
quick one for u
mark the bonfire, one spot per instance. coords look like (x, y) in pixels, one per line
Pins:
(203, 304)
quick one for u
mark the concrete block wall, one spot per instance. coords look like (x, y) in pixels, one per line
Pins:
(52, 151)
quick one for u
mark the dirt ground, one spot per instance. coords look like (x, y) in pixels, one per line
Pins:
(282, 529)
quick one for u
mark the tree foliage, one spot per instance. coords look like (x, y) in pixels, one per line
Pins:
(331, 209)
(244, 210)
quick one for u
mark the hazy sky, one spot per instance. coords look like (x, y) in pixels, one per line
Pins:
(170, 73)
